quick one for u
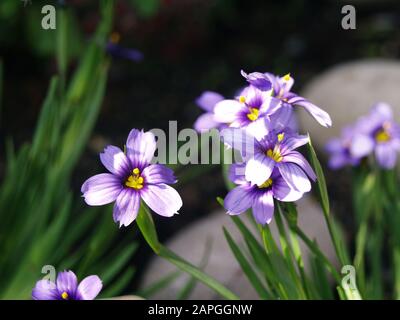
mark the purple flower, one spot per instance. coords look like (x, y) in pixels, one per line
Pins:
(207, 102)
(132, 177)
(260, 198)
(258, 80)
(248, 111)
(273, 151)
(380, 134)
(281, 87)
(376, 133)
(117, 51)
(67, 288)
(341, 149)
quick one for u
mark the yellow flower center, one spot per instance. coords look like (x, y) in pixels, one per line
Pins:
(382, 136)
(275, 154)
(253, 114)
(281, 136)
(242, 99)
(64, 295)
(135, 180)
(286, 77)
(266, 184)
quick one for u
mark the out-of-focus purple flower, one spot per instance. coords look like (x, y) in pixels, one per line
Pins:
(275, 150)
(132, 177)
(282, 90)
(341, 149)
(378, 133)
(207, 102)
(117, 51)
(258, 197)
(67, 288)
(258, 80)
(248, 111)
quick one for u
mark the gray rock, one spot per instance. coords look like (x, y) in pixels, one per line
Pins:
(191, 242)
(348, 91)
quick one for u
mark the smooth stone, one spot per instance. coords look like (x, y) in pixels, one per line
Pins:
(190, 243)
(347, 91)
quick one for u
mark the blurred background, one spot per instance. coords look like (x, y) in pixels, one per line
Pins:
(188, 46)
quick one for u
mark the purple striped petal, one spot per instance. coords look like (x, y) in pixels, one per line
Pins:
(283, 192)
(162, 199)
(239, 199)
(67, 282)
(45, 290)
(115, 161)
(101, 189)
(205, 122)
(126, 207)
(294, 176)
(89, 288)
(158, 173)
(258, 80)
(208, 100)
(263, 207)
(259, 169)
(320, 115)
(292, 142)
(140, 147)
(299, 159)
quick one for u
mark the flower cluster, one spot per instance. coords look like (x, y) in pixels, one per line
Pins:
(376, 133)
(266, 98)
(67, 288)
(262, 116)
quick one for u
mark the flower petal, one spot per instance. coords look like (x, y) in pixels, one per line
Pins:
(263, 207)
(140, 147)
(361, 145)
(236, 173)
(227, 111)
(320, 115)
(67, 282)
(208, 100)
(259, 169)
(89, 288)
(283, 192)
(298, 158)
(126, 207)
(115, 161)
(294, 176)
(386, 155)
(239, 199)
(240, 140)
(205, 122)
(45, 290)
(101, 189)
(158, 173)
(258, 80)
(293, 141)
(162, 199)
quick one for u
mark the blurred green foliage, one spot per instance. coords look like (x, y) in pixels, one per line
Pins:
(43, 222)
